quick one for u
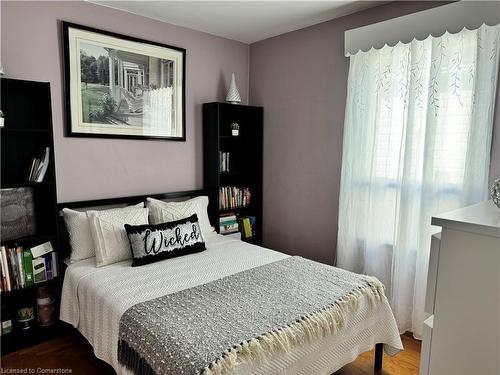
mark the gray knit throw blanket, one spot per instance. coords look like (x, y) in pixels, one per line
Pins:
(211, 328)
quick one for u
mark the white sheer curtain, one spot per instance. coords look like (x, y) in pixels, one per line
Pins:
(417, 139)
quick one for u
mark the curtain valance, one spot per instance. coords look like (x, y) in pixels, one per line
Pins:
(450, 18)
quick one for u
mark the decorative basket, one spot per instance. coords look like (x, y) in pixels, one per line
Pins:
(18, 213)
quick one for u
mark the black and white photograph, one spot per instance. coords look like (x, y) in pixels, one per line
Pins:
(123, 88)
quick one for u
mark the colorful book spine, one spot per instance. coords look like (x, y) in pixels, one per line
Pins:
(231, 197)
(55, 265)
(20, 266)
(5, 269)
(48, 266)
(28, 268)
(249, 225)
(13, 268)
(223, 161)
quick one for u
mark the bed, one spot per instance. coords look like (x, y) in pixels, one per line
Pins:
(95, 299)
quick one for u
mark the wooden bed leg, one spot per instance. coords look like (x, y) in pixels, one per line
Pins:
(379, 352)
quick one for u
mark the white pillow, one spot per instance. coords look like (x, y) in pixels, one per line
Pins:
(161, 212)
(80, 237)
(108, 231)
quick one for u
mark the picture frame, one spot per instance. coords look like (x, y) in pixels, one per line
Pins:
(118, 86)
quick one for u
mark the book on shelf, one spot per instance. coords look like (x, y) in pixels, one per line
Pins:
(248, 226)
(42, 249)
(231, 197)
(28, 268)
(6, 286)
(223, 161)
(39, 166)
(228, 224)
(19, 268)
(39, 270)
(6, 321)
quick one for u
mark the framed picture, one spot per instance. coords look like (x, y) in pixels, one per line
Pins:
(122, 87)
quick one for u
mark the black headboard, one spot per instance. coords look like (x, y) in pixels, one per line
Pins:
(63, 239)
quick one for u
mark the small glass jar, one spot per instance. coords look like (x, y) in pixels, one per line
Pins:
(45, 307)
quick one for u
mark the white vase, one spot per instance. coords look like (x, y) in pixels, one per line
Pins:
(233, 96)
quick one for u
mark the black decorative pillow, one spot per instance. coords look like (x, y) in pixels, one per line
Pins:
(151, 243)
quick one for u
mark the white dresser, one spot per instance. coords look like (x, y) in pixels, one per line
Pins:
(462, 328)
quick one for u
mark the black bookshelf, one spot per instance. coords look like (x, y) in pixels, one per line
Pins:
(28, 130)
(245, 166)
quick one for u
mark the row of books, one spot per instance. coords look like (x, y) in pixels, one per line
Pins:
(223, 161)
(228, 224)
(22, 267)
(38, 166)
(234, 197)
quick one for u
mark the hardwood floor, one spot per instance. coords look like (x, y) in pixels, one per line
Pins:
(75, 353)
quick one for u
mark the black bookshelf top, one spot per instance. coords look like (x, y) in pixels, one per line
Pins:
(20, 82)
(233, 105)
(24, 130)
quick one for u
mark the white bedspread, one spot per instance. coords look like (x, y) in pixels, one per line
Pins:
(94, 299)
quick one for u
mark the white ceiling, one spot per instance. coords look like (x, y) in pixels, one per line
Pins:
(245, 21)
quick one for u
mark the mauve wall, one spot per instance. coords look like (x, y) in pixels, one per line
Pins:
(99, 168)
(301, 80)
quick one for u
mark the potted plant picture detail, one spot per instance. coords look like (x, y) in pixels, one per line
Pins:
(119, 86)
(235, 129)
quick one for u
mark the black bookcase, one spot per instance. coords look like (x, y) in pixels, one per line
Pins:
(27, 131)
(245, 164)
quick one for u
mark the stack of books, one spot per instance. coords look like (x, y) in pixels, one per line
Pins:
(228, 224)
(224, 161)
(22, 267)
(231, 197)
(39, 166)
(248, 226)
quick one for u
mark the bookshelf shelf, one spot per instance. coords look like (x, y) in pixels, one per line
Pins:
(237, 173)
(236, 209)
(30, 240)
(28, 131)
(240, 137)
(244, 162)
(31, 288)
(26, 184)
